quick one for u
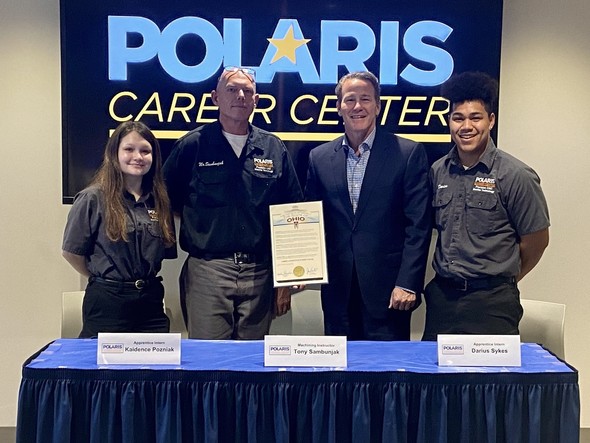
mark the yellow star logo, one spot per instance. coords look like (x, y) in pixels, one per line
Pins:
(287, 45)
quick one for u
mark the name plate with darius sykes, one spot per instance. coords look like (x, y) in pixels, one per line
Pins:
(478, 350)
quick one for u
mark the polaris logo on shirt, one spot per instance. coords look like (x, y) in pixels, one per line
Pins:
(263, 165)
(484, 184)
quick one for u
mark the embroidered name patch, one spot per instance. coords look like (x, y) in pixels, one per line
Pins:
(263, 165)
(484, 184)
(153, 214)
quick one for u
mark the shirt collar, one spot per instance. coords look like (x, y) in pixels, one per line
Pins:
(368, 142)
(131, 199)
(487, 158)
(254, 140)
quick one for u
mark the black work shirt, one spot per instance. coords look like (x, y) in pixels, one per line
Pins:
(224, 200)
(138, 258)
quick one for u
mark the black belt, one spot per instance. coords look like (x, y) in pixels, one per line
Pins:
(461, 284)
(239, 258)
(137, 284)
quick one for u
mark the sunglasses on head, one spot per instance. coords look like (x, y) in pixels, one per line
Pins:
(249, 72)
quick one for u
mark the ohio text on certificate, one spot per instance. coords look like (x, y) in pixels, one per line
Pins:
(298, 244)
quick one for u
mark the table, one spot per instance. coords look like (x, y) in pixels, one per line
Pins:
(221, 391)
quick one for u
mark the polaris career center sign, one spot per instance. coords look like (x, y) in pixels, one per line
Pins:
(158, 62)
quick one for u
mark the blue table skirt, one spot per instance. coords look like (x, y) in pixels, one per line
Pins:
(390, 391)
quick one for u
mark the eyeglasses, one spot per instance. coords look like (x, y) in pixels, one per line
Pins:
(248, 72)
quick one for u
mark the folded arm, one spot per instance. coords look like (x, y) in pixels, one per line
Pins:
(532, 247)
(78, 262)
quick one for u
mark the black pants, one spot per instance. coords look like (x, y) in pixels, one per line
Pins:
(110, 307)
(495, 311)
(359, 324)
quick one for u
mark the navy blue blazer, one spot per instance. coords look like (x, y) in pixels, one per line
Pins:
(388, 237)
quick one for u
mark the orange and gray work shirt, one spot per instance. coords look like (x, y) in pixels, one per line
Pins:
(138, 258)
(482, 212)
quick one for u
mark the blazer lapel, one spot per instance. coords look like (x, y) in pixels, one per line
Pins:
(340, 178)
(380, 153)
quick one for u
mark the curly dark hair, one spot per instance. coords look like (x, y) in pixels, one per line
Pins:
(472, 86)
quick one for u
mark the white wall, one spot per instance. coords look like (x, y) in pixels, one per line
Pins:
(543, 120)
(544, 99)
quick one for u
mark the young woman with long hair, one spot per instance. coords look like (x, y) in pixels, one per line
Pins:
(118, 231)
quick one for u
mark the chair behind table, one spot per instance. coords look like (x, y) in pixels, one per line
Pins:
(544, 323)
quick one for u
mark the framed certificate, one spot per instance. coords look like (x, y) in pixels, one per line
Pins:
(298, 244)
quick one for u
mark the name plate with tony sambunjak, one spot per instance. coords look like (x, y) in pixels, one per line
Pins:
(138, 349)
(305, 351)
(478, 350)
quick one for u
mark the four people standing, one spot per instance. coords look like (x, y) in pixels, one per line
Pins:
(489, 212)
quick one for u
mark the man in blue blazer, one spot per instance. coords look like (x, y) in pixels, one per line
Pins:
(376, 200)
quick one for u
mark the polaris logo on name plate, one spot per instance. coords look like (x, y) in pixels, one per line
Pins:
(279, 350)
(453, 349)
(113, 348)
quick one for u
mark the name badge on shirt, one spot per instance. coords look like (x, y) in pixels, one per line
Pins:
(153, 214)
(264, 165)
(484, 184)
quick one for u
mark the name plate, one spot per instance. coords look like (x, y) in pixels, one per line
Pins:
(305, 351)
(138, 349)
(478, 350)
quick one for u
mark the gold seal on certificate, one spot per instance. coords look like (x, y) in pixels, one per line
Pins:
(298, 244)
(298, 271)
